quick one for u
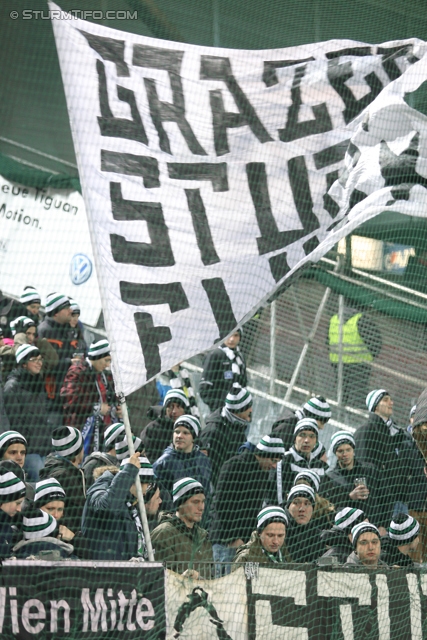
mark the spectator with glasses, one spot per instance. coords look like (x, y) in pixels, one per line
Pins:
(25, 404)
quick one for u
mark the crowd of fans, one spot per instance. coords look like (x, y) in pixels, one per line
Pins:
(213, 499)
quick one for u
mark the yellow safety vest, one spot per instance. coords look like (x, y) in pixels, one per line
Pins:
(354, 350)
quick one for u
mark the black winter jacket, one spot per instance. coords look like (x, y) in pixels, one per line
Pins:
(289, 467)
(157, 435)
(58, 335)
(303, 540)
(218, 378)
(72, 481)
(221, 439)
(339, 483)
(389, 450)
(239, 496)
(25, 402)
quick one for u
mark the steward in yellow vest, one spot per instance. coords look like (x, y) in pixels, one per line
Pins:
(354, 349)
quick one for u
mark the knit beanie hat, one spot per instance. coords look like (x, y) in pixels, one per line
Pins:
(238, 399)
(38, 524)
(306, 424)
(12, 482)
(178, 396)
(25, 352)
(10, 437)
(67, 441)
(271, 514)
(342, 437)
(374, 397)
(348, 518)
(98, 350)
(47, 491)
(113, 433)
(55, 302)
(145, 472)
(75, 308)
(29, 296)
(308, 476)
(184, 489)
(122, 447)
(189, 422)
(363, 527)
(317, 408)
(403, 529)
(269, 447)
(301, 491)
(21, 324)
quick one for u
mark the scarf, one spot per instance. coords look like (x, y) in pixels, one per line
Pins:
(273, 557)
(236, 361)
(181, 380)
(142, 548)
(231, 417)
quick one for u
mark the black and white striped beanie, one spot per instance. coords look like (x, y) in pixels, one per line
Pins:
(317, 408)
(145, 472)
(348, 518)
(38, 524)
(75, 307)
(122, 446)
(301, 491)
(342, 437)
(412, 411)
(363, 527)
(12, 482)
(374, 397)
(98, 350)
(181, 380)
(178, 396)
(25, 352)
(10, 437)
(271, 514)
(55, 302)
(238, 399)
(112, 434)
(48, 490)
(306, 424)
(270, 447)
(189, 422)
(21, 324)
(310, 476)
(30, 296)
(184, 489)
(67, 441)
(403, 529)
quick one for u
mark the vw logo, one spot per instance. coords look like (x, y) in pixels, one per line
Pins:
(80, 268)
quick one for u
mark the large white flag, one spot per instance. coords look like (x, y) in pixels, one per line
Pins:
(206, 172)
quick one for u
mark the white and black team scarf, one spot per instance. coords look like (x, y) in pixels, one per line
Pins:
(181, 380)
(142, 547)
(237, 364)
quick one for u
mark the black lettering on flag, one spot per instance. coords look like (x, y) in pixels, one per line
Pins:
(279, 266)
(109, 49)
(391, 54)
(131, 165)
(271, 238)
(159, 252)
(295, 129)
(170, 61)
(217, 68)
(221, 305)
(328, 202)
(114, 127)
(338, 74)
(401, 169)
(269, 76)
(217, 175)
(150, 336)
(331, 155)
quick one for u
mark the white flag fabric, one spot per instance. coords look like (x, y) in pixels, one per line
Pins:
(206, 172)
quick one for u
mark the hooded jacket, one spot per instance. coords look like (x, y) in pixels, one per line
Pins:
(26, 548)
(353, 560)
(218, 377)
(95, 460)
(157, 434)
(222, 440)
(253, 551)
(25, 403)
(389, 449)
(72, 481)
(173, 465)
(239, 496)
(181, 547)
(107, 523)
